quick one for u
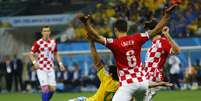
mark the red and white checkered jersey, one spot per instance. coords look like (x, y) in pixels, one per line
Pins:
(156, 57)
(126, 51)
(44, 51)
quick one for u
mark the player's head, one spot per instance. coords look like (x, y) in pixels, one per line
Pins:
(120, 26)
(113, 72)
(46, 30)
(149, 25)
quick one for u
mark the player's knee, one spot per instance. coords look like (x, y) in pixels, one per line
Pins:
(45, 88)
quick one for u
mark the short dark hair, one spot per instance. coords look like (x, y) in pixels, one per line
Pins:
(121, 25)
(45, 26)
(113, 71)
(149, 25)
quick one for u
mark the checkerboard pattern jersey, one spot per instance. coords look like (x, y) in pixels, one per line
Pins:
(45, 53)
(154, 53)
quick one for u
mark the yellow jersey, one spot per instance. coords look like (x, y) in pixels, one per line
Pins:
(106, 89)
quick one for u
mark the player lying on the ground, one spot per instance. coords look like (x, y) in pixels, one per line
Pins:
(162, 46)
(126, 50)
(45, 49)
(109, 80)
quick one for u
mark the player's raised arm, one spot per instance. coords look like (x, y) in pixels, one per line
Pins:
(93, 34)
(163, 21)
(95, 56)
(175, 47)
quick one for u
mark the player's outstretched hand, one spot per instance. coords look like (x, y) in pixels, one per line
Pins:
(165, 30)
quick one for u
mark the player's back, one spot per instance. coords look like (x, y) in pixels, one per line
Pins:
(126, 51)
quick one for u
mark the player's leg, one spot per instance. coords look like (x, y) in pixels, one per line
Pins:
(51, 83)
(153, 88)
(150, 93)
(42, 77)
(147, 96)
(125, 93)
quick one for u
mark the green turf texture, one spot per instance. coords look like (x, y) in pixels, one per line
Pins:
(161, 96)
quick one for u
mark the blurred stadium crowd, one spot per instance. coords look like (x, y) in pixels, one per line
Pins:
(186, 22)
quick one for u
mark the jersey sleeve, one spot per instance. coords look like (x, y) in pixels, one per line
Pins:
(35, 48)
(110, 43)
(101, 74)
(166, 46)
(141, 37)
(55, 48)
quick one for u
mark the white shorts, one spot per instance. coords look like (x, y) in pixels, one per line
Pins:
(126, 92)
(46, 77)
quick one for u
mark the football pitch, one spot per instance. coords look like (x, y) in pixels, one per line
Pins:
(161, 96)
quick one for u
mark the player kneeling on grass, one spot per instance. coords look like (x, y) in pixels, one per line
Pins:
(45, 49)
(109, 80)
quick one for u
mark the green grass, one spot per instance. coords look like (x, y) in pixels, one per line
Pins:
(161, 96)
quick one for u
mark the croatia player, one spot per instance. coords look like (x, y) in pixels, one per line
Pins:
(162, 46)
(45, 49)
(109, 80)
(126, 50)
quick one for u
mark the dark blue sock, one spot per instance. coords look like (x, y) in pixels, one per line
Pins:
(50, 94)
(45, 97)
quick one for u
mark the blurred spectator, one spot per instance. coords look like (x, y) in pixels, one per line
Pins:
(198, 74)
(76, 75)
(179, 25)
(31, 84)
(198, 31)
(9, 73)
(190, 78)
(174, 62)
(17, 66)
(2, 72)
(193, 27)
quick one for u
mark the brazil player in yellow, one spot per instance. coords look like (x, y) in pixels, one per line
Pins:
(109, 80)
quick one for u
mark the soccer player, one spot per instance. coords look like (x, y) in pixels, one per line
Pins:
(45, 49)
(126, 50)
(109, 79)
(162, 46)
